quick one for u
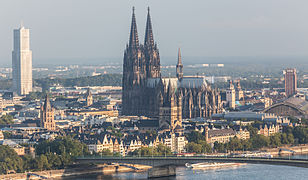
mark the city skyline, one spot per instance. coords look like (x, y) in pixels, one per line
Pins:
(211, 29)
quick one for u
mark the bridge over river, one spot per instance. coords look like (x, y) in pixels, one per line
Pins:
(179, 161)
(167, 164)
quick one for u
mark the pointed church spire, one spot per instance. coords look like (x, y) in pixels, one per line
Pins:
(179, 56)
(133, 40)
(149, 39)
(47, 104)
(179, 66)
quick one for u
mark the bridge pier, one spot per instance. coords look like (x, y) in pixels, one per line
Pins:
(162, 171)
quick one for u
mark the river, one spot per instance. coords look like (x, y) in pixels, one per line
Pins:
(249, 171)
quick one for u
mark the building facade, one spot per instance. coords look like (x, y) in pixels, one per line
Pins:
(147, 93)
(224, 135)
(290, 81)
(22, 62)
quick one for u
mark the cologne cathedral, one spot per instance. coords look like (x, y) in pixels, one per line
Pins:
(147, 93)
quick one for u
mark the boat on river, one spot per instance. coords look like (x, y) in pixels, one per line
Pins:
(213, 165)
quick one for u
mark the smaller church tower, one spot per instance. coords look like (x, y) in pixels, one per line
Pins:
(47, 115)
(179, 66)
(230, 95)
(89, 97)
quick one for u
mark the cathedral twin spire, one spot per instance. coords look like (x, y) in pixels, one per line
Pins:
(133, 40)
(149, 39)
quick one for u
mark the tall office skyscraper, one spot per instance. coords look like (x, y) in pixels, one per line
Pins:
(290, 81)
(22, 62)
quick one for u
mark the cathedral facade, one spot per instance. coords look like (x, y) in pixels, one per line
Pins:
(146, 93)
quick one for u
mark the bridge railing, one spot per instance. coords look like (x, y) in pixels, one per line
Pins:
(189, 157)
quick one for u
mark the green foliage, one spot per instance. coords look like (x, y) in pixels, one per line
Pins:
(200, 147)
(63, 145)
(195, 137)
(301, 134)
(106, 152)
(7, 134)
(34, 95)
(6, 119)
(159, 150)
(219, 147)
(260, 141)
(193, 147)
(42, 163)
(252, 130)
(115, 132)
(54, 160)
(9, 160)
(290, 138)
(275, 140)
(234, 144)
(61, 151)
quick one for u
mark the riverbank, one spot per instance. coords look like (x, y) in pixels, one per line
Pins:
(76, 171)
(288, 150)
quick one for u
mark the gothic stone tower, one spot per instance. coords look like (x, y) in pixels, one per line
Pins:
(133, 73)
(89, 97)
(170, 108)
(151, 52)
(47, 116)
(140, 63)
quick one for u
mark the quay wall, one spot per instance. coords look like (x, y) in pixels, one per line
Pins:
(58, 174)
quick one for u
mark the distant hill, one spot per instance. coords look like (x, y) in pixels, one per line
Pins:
(101, 80)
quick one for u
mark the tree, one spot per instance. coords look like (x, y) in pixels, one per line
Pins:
(163, 150)
(284, 138)
(42, 163)
(159, 150)
(247, 144)
(219, 147)
(193, 148)
(7, 134)
(235, 144)
(6, 119)
(54, 160)
(9, 160)
(252, 130)
(290, 138)
(195, 137)
(275, 140)
(206, 148)
(66, 148)
(301, 134)
(106, 152)
(28, 163)
(260, 141)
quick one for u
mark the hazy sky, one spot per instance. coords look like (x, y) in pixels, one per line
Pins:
(100, 28)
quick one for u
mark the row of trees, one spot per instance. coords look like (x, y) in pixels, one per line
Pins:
(197, 143)
(55, 154)
(159, 150)
(254, 143)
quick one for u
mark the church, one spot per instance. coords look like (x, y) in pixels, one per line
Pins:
(168, 99)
